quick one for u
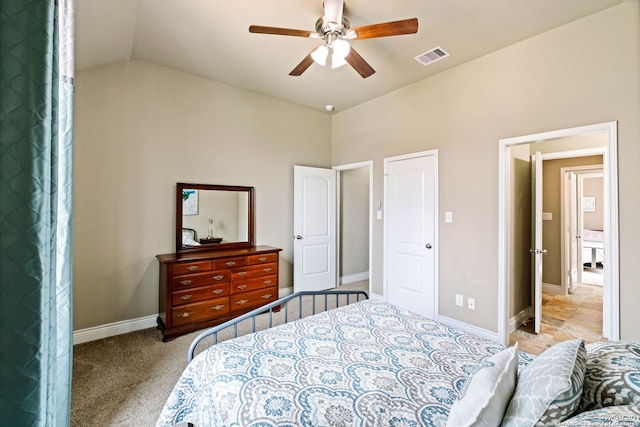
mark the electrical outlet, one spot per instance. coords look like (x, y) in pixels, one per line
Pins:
(459, 300)
(471, 303)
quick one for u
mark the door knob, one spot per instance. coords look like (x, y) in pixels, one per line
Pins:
(538, 251)
(428, 246)
(298, 237)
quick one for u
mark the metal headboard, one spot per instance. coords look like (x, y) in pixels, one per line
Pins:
(282, 304)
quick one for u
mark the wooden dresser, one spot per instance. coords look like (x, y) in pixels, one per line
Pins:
(202, 289)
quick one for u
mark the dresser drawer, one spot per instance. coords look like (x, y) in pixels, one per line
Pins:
(254, 271)
(253, 299)
(246, 285)
(229, 262)
(201, 311)
(189, 296)
(191, 267)
(262, 258)
(201, 279)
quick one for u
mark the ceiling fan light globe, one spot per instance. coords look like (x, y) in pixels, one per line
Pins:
(341, 48)
(320, 55)
(337, 61)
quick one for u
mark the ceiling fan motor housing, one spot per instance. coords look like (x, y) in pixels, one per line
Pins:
(325, 28)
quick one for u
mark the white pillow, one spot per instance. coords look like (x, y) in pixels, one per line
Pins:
(487, 392)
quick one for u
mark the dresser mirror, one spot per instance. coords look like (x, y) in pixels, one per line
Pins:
(211, 217)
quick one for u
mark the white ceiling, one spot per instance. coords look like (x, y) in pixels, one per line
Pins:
(210, 38)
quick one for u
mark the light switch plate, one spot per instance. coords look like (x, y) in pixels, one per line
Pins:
(448, 216)
(547, 216)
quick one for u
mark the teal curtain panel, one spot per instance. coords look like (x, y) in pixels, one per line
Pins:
(36, 123)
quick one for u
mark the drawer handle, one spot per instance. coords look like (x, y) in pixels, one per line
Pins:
(185, 314)
(186, 282)
(231, 263)
(242, 273)
(262, 259)
(266, 270)
(218, 291)
(266, 296)
(242, 287)
(267, 282)
(217, 307)
(242, 302)
(186, 297)
(218, 277)
(192, 268)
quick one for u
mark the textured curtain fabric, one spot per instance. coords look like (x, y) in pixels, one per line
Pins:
(36, 122)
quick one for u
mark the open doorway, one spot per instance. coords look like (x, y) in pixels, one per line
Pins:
(354, 225)
(583, 222)
(514, 265)
(566, 305)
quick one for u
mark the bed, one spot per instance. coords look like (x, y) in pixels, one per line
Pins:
(359, 364)
(369, 363)
(593, 245)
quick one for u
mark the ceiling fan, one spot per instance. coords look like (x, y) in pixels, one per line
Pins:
(335, 30)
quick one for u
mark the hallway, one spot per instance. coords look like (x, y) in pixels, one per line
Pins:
(578, 315)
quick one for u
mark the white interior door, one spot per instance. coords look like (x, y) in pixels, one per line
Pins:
(314, 229)
(537, 251)
(410, 196)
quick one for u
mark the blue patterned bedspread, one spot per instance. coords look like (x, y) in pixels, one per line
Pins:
(366, 364)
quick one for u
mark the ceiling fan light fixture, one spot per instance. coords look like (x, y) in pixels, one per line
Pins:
(337, 61)
(341, 48)
(320, 55)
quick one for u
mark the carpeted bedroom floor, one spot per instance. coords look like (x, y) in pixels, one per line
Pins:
(125, 380)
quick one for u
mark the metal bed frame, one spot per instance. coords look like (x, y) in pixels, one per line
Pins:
(281, 303)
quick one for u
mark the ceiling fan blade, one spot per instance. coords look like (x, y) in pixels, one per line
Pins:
(279, 31)
(358, 63)
(395, 28)
(333, 11)
(303, 65)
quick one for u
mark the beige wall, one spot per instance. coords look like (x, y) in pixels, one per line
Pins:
(548, 82)
(140, 129)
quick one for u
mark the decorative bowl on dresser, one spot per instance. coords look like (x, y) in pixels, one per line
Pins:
(202, 289)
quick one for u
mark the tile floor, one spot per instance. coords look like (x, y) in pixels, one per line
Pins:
(578, 315)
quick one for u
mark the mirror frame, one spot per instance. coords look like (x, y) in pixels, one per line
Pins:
(180, 248)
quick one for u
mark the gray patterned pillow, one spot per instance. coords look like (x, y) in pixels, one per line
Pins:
(612, 376)
(619, 416)
(549, 388)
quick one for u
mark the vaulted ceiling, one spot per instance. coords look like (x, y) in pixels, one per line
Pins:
(210, 38)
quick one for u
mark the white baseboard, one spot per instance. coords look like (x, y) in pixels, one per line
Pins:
(376, 297)
(111, 329)
(473, 330)
(354, 278)
(519, 318)
(552, 289)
